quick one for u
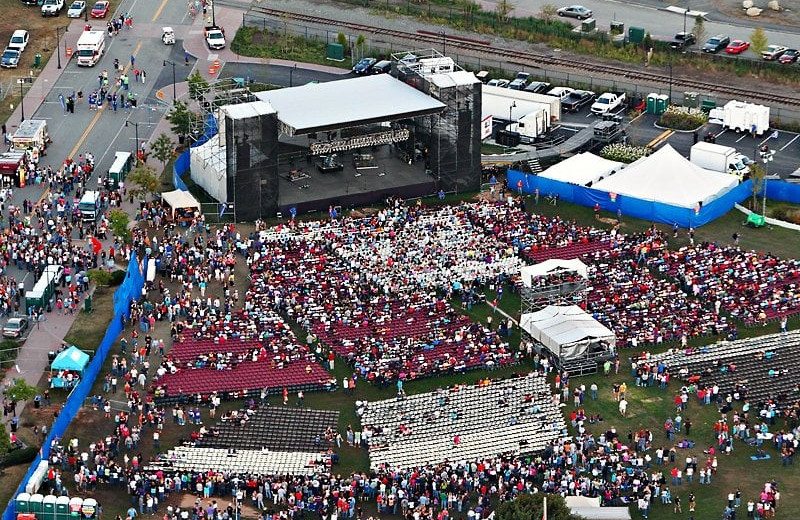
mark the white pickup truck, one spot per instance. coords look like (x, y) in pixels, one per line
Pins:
(52, 7)
(215, 37)
(608, 102)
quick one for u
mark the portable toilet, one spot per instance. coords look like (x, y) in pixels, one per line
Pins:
(662, 104)
(651, 103)
(36, 505)
(75, 504)
(89, 508)
(62, 508)
(22, 503)
(48, 508)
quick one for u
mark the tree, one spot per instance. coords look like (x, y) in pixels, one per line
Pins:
(163, 148)
(758, 176)
(531, 507)
(144, 180)
(21, 390)
(758, 40)
(548, 12)
(5, 441)
(503, 9)
(699, 29)
(119, 224)
(198, 86)
(182, 120)
(360, 42)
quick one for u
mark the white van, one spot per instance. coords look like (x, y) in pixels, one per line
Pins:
(91, 46)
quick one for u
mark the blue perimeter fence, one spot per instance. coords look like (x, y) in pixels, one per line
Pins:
(130, 290)
(644, 209)
(183, 162)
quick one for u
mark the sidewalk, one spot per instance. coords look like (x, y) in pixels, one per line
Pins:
(231, 19)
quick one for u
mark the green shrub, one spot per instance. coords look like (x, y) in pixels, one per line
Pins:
(117, 277)
(22, 456)
(681, 118)
(100, 277)
(625, 153)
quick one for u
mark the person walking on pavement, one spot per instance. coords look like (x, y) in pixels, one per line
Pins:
(143, 76)
(133, 60)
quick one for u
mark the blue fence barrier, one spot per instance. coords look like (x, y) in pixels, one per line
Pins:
(783, 191)
(630, 206)
(183, 162)
(130, 290)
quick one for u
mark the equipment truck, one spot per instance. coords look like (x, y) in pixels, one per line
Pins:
(91, 45)
(608, 102)
(89, 206)
(741, 117)
(719, 158)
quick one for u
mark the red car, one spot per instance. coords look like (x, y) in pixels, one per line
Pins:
(737, 47)
(789, 56)
(100, 9)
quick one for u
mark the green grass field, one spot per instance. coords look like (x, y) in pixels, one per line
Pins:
(648, 408)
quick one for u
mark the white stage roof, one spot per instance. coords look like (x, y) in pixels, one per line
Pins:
(550, 266)
(245, 110)
(456, 78)
(582, 169)
(319, 107)
(669, 178)
(179, 199)
(565, 331)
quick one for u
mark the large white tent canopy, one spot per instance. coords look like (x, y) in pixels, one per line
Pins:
(582, 169)
(179, 199)
(668, 177)
(551, 266)
(566, 331)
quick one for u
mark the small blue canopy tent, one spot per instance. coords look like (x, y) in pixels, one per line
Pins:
(72, 359)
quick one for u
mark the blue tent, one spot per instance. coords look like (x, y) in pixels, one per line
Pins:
(71, 359)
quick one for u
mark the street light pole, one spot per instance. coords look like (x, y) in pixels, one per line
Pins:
(444, 42)
(213, 14)
(174, 95)
(767, 157)
(58, 45)
(136, 129)
(86, 11)
(670, 81)
(21, 81)
(685, 12)
(291, 73)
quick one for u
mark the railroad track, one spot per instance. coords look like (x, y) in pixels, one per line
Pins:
(533, 59)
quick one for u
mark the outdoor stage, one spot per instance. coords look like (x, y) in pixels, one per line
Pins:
(350, 187)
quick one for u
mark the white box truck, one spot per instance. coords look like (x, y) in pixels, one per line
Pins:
(89, 206)
(741, 117)
(532, 125)
(91, 45)
(718, 158)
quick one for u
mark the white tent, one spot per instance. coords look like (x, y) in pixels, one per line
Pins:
(180, 199)
(567, 332)
(669, 178)
(589, 508)
(552, 266)
(582, 169)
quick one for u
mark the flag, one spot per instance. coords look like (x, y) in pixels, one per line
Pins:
(774, 135)
(96, 245)
(222, 208)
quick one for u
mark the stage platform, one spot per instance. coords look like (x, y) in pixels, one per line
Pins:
(351, 187)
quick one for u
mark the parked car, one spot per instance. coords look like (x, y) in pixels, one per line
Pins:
(76, 9)
(789, 57)
(716, 43)
(10, 59)
(363, 65)
(100, 9)
(737, 47)
(19, 40)
(520, 81)
(773, 52)
(382, 67)
(577, 100)
(682, 40)
(502, 83)
(15, 327)
(52, 7)
(575, 11)
(538, 87)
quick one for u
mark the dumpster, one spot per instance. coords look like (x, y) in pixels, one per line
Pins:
(37, 60)
(22, 503)
(87, 303)
(48, 508)
(707, 105)
(62, 508)
(75, 504)
(755, 220)
(36, 504)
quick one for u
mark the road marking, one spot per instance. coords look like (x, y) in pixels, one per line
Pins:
(99, 111)
(790, 142)
(46, 191)
(158, 11)
(743, 136)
